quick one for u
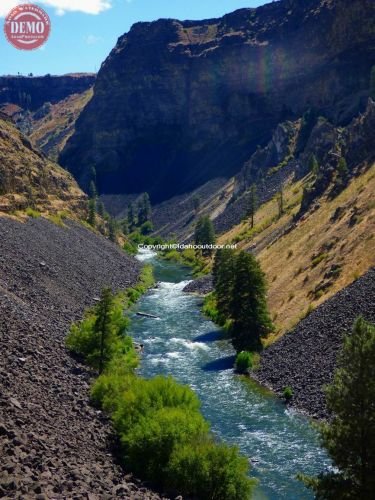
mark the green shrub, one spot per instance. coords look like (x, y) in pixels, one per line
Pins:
(33, 213)
(288, 393)
(158, 421)
(146, 396)
(318, 259)
(210, 470)
(130, 247)
(150, 442)
(244, 362)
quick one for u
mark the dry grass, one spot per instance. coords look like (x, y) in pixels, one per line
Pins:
(51, 132)
(28, 181)
(326, 251)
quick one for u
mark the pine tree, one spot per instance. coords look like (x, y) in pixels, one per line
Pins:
(248, 306)
(131, 217)
(100, 209)
(102, 327)
(92, 213)
(350, 437)
(92, 190)
(205, 234)
(144, 209)
(223, 280)
(252, 204)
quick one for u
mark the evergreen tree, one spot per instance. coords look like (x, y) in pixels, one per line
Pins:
(131, 217)
(372, 83)
(350, 437)
(144, 209)
(223, 280)
(252, 204)
(92, 190)
(205, 234)
(92, 213)
(100, 209)
(248, 305)
(103, 327)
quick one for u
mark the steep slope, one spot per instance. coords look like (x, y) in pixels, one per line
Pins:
(323, 240)
(29, 180)
(46, 108)
(178, 103)
(305, 358)
(53, 444)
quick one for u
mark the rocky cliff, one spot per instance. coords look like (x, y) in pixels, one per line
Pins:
(178, 103)
(32, 92)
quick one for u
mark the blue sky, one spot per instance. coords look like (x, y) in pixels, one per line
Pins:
(84, 31)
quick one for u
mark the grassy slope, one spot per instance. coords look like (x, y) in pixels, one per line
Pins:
(293, 275)
(29, 180)
(51, 132)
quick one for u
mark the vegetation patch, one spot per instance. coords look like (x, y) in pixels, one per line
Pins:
(317, 259)
(163, 435)
(31, 212)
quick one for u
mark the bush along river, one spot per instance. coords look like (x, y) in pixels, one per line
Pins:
(183, 343)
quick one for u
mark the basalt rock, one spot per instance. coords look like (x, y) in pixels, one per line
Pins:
(32, 93)
(178, 103)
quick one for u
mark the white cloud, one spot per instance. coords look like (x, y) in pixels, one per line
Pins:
(61, 6)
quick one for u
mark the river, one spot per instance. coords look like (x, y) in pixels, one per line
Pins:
(183, 343)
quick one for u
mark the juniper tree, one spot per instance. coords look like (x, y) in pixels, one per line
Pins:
(350, 436)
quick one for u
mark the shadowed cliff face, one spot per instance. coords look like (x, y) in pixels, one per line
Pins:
(178, 103)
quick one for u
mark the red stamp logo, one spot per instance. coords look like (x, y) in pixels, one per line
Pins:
(27, 27)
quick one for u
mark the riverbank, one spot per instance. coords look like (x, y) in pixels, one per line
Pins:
(54, 443)
(182, 342)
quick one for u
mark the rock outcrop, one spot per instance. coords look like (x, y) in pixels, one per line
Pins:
(178, 103)
(31, 92)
